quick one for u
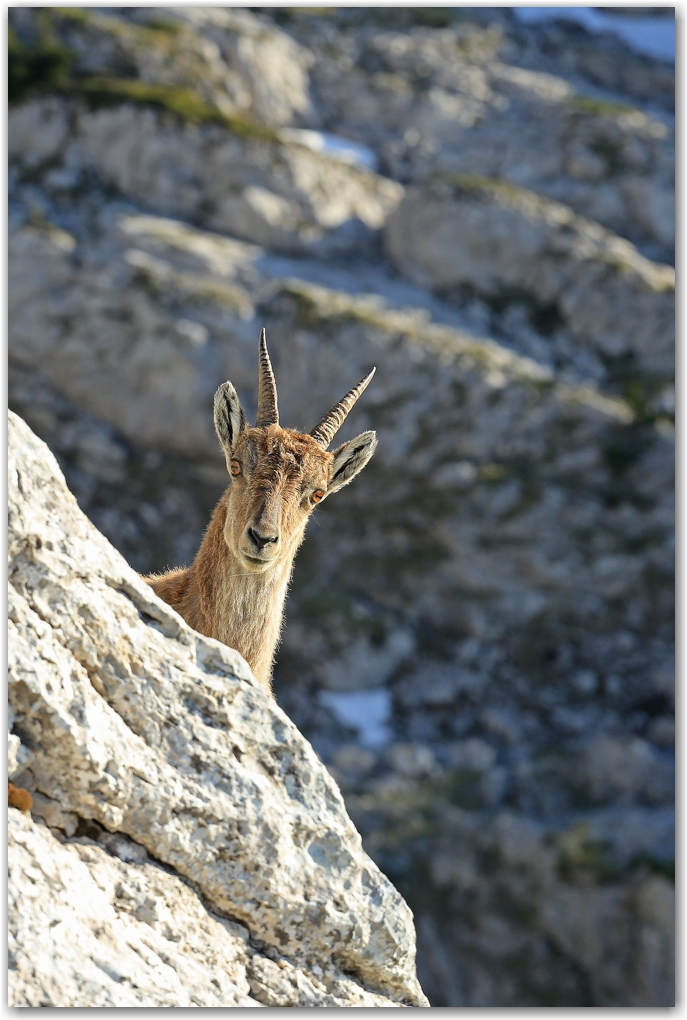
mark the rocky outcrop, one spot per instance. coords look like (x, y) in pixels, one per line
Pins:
(454, 100)
(467, 99)
(153, 744)
(558, 47)
(230, 58)
(505, 244)
(243, 181)
(155, 306)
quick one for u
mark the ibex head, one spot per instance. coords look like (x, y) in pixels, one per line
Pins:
(278, 476)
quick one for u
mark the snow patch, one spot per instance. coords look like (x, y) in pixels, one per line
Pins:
(366, 711)
(332, 145)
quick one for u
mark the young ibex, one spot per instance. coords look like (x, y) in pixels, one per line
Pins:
(235, 589)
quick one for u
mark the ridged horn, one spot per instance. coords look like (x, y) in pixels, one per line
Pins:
(268, 411)
(332, 422)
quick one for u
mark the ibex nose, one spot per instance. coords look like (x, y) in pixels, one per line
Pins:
(260, 541)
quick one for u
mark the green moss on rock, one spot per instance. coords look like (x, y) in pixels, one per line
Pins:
(600, 107)
(583, 859)
(31, 70)
(187, 105)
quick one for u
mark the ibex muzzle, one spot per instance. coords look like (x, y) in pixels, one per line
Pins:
(260, 542)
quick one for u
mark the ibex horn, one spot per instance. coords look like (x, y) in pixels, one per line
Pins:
(332, 422)
(268, 412)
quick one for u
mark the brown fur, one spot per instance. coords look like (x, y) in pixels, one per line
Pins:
(235, 589)
(18, 797)
(222, 594)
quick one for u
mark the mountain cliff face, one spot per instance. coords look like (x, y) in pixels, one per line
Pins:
(186, 847)
(494, 232)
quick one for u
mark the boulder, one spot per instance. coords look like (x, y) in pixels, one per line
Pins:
(561, 47)
(507, 244)
(239, 62)
(244, 180)
(140, 727)
(473, 99)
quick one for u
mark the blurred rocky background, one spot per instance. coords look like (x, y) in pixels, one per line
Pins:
(479, 634)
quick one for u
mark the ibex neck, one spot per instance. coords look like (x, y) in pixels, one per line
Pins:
(238, 607)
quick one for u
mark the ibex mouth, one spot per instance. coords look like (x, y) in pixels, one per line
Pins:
(257, 564)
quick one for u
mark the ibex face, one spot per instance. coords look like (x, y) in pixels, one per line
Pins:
(278, 476)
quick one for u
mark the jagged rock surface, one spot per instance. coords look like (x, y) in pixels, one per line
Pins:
(230, 57)
(91, 928)
(278, 193)
(499, 241)
(144, 727)
(459, 100)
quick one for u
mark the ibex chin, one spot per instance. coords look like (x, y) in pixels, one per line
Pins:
(235, 589)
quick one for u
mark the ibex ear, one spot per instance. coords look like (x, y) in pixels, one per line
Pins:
(230, 421)
(351, 458)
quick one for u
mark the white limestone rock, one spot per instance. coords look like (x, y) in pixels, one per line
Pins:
(272, 66)
(140, 725)
(88, 929)
(504, 241)
(102, 321)
(458, 100)
(239, 62)
(249, 183)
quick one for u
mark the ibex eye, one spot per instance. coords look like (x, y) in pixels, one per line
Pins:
(235, 468)
(317, 495)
